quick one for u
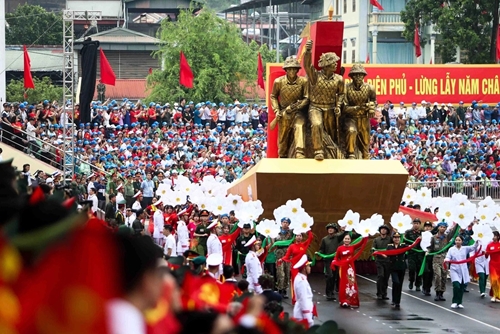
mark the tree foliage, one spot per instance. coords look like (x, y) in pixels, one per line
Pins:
(224, 66)
(44, 90)
(30, 24)
(467, 24)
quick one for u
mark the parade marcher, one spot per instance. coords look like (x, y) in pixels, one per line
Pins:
(283, 270)
(214, 262)
(137, 225)
(214, 245)
(129, 217)
(120, 215)
(304, 307)
(169, 250)
(438, 243)
(158, 222)
(295, 252)
(459, 272)
(201, 230)
(329, 245)
(493, 252)
(428, 274)
(344, 260)
(245, 236)
(383, 263)
(138, 199)
(182, 237)
(253, 265)
(397, 268)
(227, 240)
(110, 209)
(415, 258)
(481, 264)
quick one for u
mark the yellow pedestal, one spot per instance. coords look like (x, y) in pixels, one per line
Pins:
(327, 188)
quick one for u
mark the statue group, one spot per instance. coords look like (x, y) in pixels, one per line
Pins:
(320, 116)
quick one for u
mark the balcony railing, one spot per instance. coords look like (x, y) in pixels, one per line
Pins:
(475, 190)
(383, 18)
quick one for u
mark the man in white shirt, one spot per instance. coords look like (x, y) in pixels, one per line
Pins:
(31, 134)
(138, 199)
(182, 237)
(253, 265)
(303, 309)
(214, 246)
(158, 222)
(402, 110)
(254, 114)
(169, 250)
(92, 197)
(222, 113)
(413, 112)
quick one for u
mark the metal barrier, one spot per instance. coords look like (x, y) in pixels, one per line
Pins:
(475, 190)
(42, 150)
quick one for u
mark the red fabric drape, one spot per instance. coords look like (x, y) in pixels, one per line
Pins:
(28, 79)
(398, 251)
(260, 73)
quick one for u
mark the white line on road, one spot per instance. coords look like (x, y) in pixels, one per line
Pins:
(439, 306)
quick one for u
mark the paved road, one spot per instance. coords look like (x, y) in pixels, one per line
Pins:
(418, 313)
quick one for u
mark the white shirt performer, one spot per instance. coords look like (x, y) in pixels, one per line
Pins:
(214, 246)
(158, 221)
(254, 267)
(182, 237)
(303, 308)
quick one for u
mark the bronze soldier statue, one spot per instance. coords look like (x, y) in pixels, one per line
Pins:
(360, 100)
(326, 91)
(288, 98)
(101, 91)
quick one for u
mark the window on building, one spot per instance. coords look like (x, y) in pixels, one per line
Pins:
(353, 6)
(345, 6)
(337, 7)
(353, 56)
(344, 56)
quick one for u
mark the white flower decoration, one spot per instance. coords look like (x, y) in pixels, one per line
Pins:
(425, 242)
(485, 214)
(350, 221)
(302, 223)
(464, 214)
(446, 213)
(409, 196)
(268, 228)
(488, 202)
(482, 233)
(423, 196)
(401, 222)
(367, 227)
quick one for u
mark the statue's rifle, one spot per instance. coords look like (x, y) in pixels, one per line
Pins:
(274, 122)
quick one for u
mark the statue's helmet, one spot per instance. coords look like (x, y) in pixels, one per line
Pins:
(328, 58)
(291, 62)
(357, 69)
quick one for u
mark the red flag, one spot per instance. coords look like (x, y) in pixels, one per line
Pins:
(375, 3)
(260, 73)
(108, 77)
(498, 44)
(416, 42)
(28, 79)
(186, 76)
(150, 71)
(367, 59)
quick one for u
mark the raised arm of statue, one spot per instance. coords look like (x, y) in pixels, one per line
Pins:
(308, 65)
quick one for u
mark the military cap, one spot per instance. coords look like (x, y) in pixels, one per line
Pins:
(357, 69)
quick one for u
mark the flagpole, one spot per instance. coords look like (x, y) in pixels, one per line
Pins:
(3, 82)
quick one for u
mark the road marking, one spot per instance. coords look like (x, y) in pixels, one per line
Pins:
(439, 306)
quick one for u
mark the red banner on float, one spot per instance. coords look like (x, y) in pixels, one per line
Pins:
(433, 83)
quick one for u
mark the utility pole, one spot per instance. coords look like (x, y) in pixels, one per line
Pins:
(3, 82)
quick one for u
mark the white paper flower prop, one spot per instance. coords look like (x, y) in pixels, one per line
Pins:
(295, 206)
(205, 203)
(446, 213)
(220, 205)
(482, 233)
(409, 196)
(485, 214)
(235, 202)
(401, 222)
(268, 228)
(488, 202)
(426, 240)
(175, 198)
(377, 220)
(464, 214)
(460, 199)
(367, 227)
(162, 190)
(292, 209)
(302, 223)
(423, 196)
(350, 220)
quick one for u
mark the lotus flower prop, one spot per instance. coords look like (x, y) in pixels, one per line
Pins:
(268, 228)
(292, 209)
(368, 227)
(401, 222)
(302, 223)
(350, 221)
(409, 196)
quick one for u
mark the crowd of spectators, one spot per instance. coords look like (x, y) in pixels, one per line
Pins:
(436, 143)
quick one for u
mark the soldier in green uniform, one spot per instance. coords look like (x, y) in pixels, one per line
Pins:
(438, 243)
(428, 271)
(283, 270)
(119, 216)
(382, 262)
(414, 258)
(398, 268)
(128, 191)
(329, 245)
(245, 235)
(201, 231)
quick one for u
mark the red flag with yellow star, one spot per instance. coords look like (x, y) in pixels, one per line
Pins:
(161, 319)
(199, 293)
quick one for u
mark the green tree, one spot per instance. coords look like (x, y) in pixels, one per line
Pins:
(44, 90)
(30, 24)
(224, 66)
(469, 24)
